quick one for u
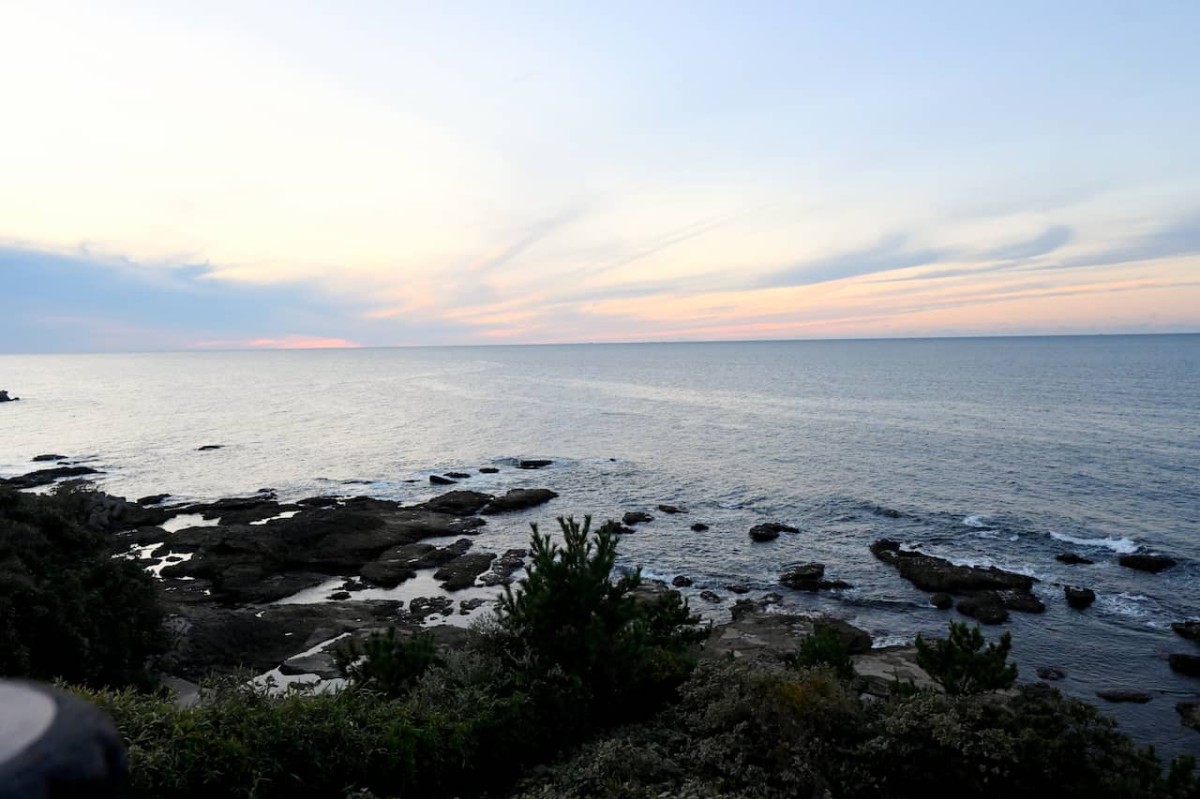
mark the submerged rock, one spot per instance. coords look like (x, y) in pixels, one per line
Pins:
(1079, 598)
(941, 601)
(488, 470)
(636, 517)
(1051, 673)
(153, 499)
(4, 397)
(699, 527)
(1188, 665)
(985, 609)
(49, 456)
(1071, 559)
(438, 480)
(671, 510)
(1189, 714)
(534, 463)
(1147, 563)
(1123, 695)
(769, 531)
(1188, 629)
(710, 596)
(519, 499)
(43, 477)
(457, 475)
(209, 447)
(682, 581)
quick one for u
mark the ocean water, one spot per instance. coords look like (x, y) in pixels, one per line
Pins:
(1000, 451)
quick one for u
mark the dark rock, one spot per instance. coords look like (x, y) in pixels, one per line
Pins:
(1147, 563)
(1189, 714)
(265, 512)
(1079, 598)
(809, 578)
(139, 536)
(402, 562)
(153, 499)
(833, 585)
(985, 608)
(770, 531)
(1123, 695)
(888, 513)
(710, 596)
(107, 513)
(457, 475)
(636, 517)
(519, 499)
(615, 528)
(671, 510)
(1051, 673)
(254, 507)
(339, 595)
(488, 470)
(4, 397)
(699, 527)
(1188, 629)
(459, 503)
(1071, 559)
(533, 463)
(682, 581)
(931, 573)
(209, 447)
(942, 601)
(318, 502)
(461, 572)
(467, 605)
(737, 588)
(354, 585)
(504, 567)
(43, 477)
(423, 607)
(48, 457)
(321, 665)
(1188, 665)
(856, 641)
(438, 480)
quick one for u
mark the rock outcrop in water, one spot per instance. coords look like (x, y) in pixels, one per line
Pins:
(4, 397)
(44, 477)
(1146, 563)
(769, 531)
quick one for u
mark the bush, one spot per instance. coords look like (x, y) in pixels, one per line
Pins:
(387, 663)
(68, 609)
(961, 665)
(824, 648)
(586, 643)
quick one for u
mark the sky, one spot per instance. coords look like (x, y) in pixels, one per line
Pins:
(181, 175)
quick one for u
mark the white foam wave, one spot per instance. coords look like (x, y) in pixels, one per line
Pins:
(1122, 546)
(975, 521)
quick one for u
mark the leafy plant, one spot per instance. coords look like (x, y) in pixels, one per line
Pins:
(961, 664)
(387, 663)
(824, 647)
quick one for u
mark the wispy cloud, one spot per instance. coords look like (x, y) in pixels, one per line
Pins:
(889, 255)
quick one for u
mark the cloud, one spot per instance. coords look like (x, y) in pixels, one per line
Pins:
(1178, 239)
(293, 341)
(1054, 238)
(889, 255)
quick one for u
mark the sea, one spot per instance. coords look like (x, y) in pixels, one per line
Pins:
(1000, 451)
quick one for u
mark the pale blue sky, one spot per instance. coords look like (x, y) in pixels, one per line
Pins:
(419, 173)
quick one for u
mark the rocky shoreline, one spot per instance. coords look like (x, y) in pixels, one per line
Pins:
(226, 566)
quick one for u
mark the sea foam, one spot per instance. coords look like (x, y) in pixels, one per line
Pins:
(1123, 546)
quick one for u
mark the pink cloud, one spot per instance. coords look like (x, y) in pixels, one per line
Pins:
(294, 341)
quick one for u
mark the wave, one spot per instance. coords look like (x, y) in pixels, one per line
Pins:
(975, 521)
(1122, 546)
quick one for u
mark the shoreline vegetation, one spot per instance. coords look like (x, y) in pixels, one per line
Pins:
(578, 682)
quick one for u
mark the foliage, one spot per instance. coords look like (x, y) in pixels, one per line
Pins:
(69, 609)
(824, 647)
(387, 663)
(961, 665)
(592, 646)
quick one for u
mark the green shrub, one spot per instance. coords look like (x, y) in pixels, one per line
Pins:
(387, 663)
(961, 665)
(824, 647)
(68, 609)
(591, 650)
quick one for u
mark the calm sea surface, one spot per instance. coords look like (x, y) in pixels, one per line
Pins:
(991, 451)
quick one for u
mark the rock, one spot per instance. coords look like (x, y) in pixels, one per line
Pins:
(770, 531)
(467, 605)
(354, 585)
(1147, 563)
(153, 499)
(1188, 629)
(402, 562)
(671, 510)
(423, 607)
(459, 503)
(1079, 598)
(504, 567)
(461, 572)
(942, 601)
(986, 609)
(324, 501)
(737, 588)
(321, 664)
(699, 527)
(614, 528)
(253, 508)
(488, 470)
(1188, 665)
(42, 477)
(636, 517)
(533, 463)
(809, 578)
(1123, 695)
(856, 641)
(710, 596)
(682, 581)
(457, 475)
(438, 480)
(931, 573)
(1189, 714)
(5, 398)
(519, 499)
(50, 456)
(1051, 673)
(338, 596)
(1071, 559)
(209, 447)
